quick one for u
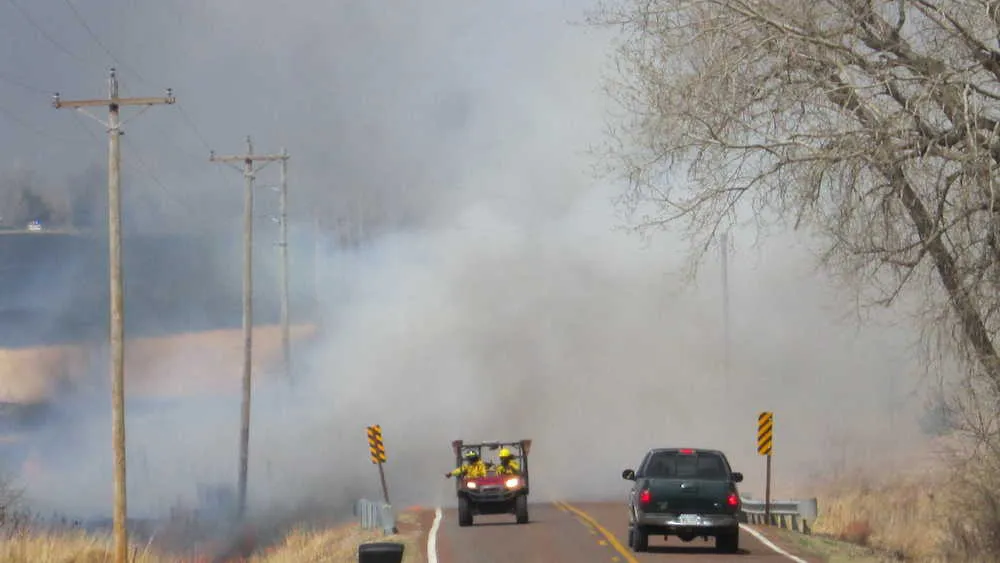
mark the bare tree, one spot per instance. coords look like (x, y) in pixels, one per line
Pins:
(874, 122)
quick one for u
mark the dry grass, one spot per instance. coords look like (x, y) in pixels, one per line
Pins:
(62, 548)
(901, 516)
(160, 366)
(341, 544)
(335, 545)
(825, 549)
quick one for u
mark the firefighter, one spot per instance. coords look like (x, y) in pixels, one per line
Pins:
(508, 465)
(472, 468)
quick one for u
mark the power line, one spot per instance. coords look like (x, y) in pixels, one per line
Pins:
(17, 120)
(186, 117)
(22, 84)
(94, 36)
(139, 166)
(44, 33)
(191, 123)
(83, 23)
(144, 168)
(156, 180)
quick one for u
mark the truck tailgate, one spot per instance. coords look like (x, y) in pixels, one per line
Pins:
(688, 495)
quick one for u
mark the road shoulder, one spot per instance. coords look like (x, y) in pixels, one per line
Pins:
(424, 519)
(819, 549)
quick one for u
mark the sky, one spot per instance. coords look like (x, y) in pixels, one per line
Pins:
(370, 102)
(506, 303)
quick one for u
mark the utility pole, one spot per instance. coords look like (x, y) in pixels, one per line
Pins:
(286, 341)
(724, 250)
(249, 170)
(117, 302)
(315, 265)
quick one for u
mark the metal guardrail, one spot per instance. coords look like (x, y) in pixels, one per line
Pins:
(797, 515)
(372, 515)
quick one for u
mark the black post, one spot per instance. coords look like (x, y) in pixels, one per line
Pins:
(767, 492)
(385, 487)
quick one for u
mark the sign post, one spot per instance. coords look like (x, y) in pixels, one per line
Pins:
(377, 450)
(765, 442)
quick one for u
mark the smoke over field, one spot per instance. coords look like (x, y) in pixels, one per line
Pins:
(493, 297)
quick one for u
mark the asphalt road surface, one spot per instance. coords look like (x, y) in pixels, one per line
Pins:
(578, 533)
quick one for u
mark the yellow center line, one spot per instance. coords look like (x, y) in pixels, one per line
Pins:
(622, 550)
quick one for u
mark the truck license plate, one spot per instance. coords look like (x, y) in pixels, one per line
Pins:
(689, 519)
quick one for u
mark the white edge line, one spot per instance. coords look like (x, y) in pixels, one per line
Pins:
(432, 537)
(770, 544)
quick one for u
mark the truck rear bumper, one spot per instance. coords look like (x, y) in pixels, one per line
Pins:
(695, 524)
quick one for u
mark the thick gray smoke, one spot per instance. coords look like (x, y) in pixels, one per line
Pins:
(503, 305)
(564, 332)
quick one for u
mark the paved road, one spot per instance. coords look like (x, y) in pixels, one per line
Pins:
(577, 533)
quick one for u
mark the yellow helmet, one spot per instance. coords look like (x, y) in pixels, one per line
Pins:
(504, 453)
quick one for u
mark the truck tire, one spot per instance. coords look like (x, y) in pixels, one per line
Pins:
(464, 512)
(728, 542)
(640, 540)
(521, 509)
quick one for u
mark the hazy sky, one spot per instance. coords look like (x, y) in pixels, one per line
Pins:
(391, 103)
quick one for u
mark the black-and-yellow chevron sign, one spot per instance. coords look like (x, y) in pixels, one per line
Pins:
(375, 445)
(765, 433)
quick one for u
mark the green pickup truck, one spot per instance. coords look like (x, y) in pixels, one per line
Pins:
(684, 492)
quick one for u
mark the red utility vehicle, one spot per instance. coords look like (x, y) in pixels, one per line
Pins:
(493, 494)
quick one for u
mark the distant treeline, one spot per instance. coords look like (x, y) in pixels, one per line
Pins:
(54, 286)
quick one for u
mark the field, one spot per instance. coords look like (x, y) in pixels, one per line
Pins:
(163, 366)
(905, 512)
(897, 516)
(334, 545)
(901, 518)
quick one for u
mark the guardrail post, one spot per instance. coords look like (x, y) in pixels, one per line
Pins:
(808, 509)
(367, 513)
(387, 519)
(795, 514)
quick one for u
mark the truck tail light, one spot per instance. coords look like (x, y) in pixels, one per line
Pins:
(733, 500)
(645, 497)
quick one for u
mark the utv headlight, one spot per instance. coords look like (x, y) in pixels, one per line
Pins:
(471, 484)
(512, 482)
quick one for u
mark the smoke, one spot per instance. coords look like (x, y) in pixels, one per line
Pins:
(499, 302)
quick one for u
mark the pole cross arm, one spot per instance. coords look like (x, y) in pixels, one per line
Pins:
(245, 158)
(58, 102)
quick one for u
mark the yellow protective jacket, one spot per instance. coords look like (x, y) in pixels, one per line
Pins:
(471, 470)
(512, 467)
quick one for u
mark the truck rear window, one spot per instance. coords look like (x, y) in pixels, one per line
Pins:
(674, 465)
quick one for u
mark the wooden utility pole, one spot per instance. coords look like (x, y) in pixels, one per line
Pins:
(315, 265)
(726, 340)
(249, 170)
(286, 343)
(117, 302)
